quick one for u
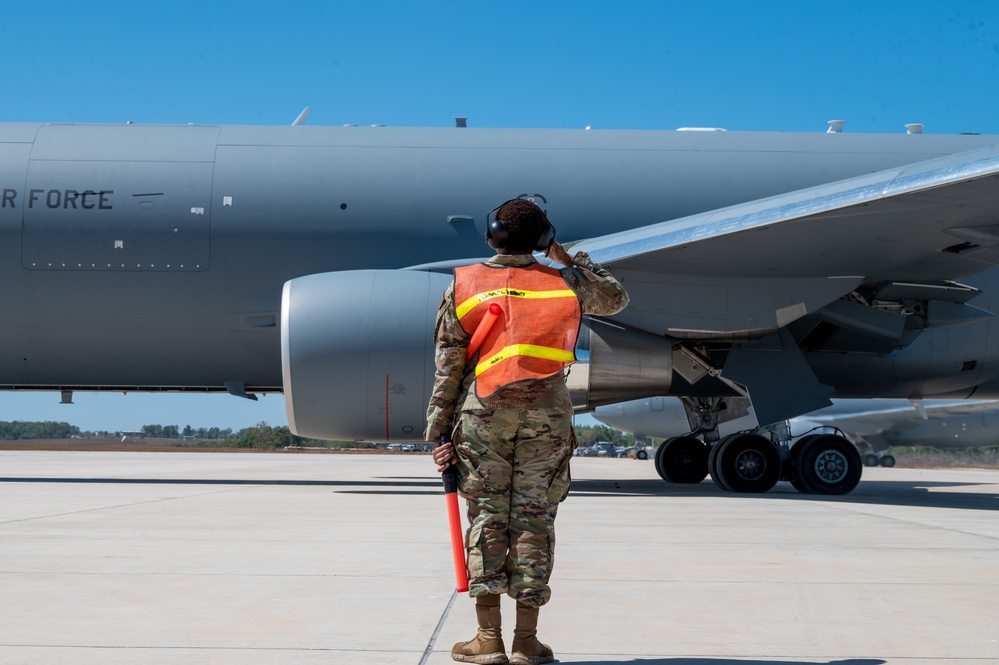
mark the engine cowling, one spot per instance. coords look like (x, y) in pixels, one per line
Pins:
(358, 361)
(357, 353)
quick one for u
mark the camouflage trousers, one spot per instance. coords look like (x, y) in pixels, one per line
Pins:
(514, 471)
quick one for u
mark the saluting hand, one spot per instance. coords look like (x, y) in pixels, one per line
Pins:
(558, 254)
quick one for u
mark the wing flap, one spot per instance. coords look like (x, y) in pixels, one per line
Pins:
(697, 306)
(879, 419)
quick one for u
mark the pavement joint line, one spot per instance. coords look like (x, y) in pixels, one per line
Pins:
(893, 518)
(437, 631)
(119, 505)
(77, 573)
(124, 647)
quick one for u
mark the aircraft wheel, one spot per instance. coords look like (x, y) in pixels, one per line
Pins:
(828, 464)
(888, 461)
(871, 460)
(795, 474)
(683, 459)
(657, 459)
(642, 454)
(796, 484)
(748, 463)
(716, 474)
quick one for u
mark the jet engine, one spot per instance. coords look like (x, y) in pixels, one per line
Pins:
(358, 361)
(357, 353)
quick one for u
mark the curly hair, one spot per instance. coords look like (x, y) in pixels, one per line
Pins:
(525, 221)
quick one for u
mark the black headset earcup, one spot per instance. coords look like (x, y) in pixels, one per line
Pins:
(497, 234)
(547, 237)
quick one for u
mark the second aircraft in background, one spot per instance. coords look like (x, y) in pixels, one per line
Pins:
(872, 425)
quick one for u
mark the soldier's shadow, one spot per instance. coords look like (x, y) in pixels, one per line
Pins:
(922, 493)
(723, 661)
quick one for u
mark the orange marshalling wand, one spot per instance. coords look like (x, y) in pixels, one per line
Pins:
(450, 477)
(450, 474)
(485, 325)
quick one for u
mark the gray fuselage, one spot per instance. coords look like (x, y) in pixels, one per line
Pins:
(153, 257)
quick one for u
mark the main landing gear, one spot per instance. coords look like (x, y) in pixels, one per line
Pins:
(872, 459)
(753, 463)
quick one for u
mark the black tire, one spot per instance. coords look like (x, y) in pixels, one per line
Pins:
(683, 460)
(795, 475)
(749, 463)
(657, 460)
(888, 461)
(829, 464)
(871, 460)
(717, 477)
(642, 454)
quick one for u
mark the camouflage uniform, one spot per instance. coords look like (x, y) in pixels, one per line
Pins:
(513, 447)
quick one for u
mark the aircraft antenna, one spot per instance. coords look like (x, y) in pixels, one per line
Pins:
(302, 117)
(835, 126)
(914, 128)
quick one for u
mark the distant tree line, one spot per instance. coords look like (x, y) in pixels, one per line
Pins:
(14, 431)
(587, 435)
(174, 432)
(265, 436)
(261, 435)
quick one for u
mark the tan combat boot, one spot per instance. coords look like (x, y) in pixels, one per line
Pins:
(526, 649)
(486, 648)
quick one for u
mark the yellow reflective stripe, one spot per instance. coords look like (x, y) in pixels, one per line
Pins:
(470, 303)
(532, 350)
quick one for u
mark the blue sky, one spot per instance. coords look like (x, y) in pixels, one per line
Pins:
(787, 66)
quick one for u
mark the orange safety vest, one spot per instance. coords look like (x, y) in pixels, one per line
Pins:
(536, 335)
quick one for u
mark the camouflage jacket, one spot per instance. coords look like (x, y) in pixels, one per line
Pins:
(454, 387)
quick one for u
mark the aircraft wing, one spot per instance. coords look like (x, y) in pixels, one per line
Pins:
(877, 419)
(756, 267)
(945, 424)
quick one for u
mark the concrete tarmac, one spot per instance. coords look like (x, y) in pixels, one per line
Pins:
(163, 558)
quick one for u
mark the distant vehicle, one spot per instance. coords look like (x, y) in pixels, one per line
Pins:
(602, 449)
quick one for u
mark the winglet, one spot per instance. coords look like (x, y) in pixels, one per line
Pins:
(302, 117)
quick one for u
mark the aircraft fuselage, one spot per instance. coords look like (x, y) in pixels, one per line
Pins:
(153, 257)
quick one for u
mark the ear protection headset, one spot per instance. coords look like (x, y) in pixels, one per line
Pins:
(497, 232)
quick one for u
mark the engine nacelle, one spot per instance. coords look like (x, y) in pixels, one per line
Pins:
(357, 353)
(358, 359)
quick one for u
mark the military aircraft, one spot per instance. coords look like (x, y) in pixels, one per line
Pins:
(783, 268)
(871, 425)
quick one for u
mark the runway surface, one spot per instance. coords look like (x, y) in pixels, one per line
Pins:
(159, 558)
